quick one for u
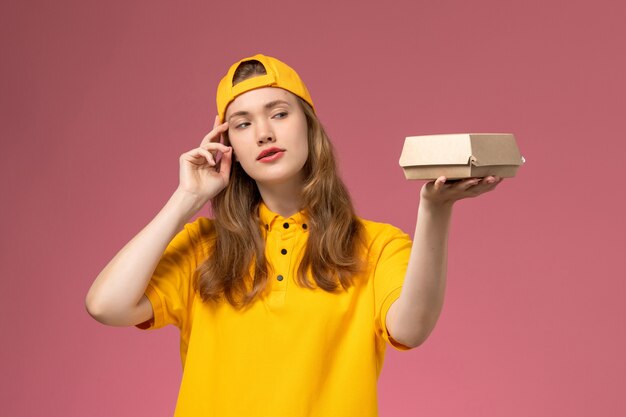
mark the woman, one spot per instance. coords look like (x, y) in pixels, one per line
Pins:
(286, 300)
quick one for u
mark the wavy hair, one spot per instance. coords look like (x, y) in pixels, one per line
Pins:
(236, 268)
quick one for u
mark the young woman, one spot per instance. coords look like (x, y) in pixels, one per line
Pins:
(285, 300)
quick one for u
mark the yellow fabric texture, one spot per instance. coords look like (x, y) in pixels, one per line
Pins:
(295, 352)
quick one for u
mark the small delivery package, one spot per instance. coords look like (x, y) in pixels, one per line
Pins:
(458, 156)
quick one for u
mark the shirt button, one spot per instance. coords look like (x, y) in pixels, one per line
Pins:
(283, 251)
(280, 277)
(286, 225)
(304, 226)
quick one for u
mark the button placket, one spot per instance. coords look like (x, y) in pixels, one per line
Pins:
(282, 252)
(282, 237)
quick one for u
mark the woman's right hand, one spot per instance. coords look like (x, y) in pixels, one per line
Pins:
(201, 175)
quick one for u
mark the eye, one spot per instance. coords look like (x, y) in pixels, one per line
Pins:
(241, 125)
(280, 115)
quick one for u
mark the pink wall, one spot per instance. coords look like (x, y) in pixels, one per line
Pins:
(100, 98)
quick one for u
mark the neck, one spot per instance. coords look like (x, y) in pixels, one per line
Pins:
(283, 198)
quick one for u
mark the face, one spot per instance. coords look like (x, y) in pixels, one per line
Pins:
(267, 129)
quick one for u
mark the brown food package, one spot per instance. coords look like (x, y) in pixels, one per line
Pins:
(458, 156)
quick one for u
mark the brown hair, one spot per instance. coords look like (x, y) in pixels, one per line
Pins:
(236, 267)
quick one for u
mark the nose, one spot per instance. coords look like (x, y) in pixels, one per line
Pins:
(265, 134)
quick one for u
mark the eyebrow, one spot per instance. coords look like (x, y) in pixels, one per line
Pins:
(267, 106)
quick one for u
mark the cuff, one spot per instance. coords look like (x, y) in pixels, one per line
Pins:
(157, 310)
(389, 300)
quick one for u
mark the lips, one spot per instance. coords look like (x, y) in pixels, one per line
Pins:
(269, 152)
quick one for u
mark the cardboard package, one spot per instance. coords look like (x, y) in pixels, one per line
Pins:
(460, 156)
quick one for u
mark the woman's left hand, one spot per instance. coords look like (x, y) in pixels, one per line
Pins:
(439, 192)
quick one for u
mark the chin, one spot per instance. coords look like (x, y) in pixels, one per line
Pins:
(278, 178)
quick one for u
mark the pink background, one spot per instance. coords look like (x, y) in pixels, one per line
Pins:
(99, 99)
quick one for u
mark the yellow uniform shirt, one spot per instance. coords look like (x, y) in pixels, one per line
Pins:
(296, 352)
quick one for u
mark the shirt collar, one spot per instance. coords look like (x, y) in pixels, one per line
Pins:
(269, 219)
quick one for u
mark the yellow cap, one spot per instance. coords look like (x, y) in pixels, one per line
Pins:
(278, 75)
